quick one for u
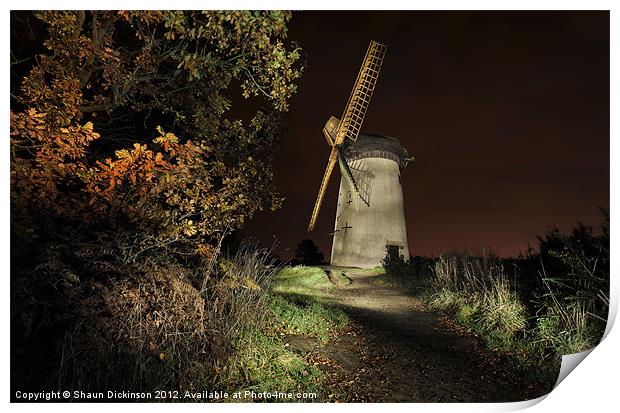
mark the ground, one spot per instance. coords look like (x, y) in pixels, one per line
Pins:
(396, 350)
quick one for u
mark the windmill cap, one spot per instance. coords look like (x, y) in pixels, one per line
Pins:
(369, 145)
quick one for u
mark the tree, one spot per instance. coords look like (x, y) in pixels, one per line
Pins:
(125, 120)
(129, 164)
(307, 253)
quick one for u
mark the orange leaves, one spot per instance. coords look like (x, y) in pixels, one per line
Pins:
(166, 140)
(46, 156)
(159, 159)
(149, 17)
(130, 166)
(132, 67)
(32, 113)
(139, 181)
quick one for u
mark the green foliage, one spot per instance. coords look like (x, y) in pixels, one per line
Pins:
(576, 279)
(567, 332)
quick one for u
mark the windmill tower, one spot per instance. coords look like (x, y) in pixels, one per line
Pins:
(370, 219)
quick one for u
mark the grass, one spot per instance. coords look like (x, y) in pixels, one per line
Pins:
(307, 318)
(477, 293)
(302, 281)
(481, 296)
(299, 303)
(266, 365)
(339, 278)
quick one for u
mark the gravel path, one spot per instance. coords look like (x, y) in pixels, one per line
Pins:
(398, 351)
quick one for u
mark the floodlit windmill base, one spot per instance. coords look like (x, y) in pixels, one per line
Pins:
(370, 226)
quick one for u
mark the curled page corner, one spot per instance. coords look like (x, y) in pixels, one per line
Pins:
(569, 362)
(522, 405)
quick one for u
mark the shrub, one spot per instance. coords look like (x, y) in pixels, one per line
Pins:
(575, 301)
(413, 273)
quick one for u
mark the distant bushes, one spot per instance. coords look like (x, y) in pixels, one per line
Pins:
(414, 273)
(308, 253)
(537, 306)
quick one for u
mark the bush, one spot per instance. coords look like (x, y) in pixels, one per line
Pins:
(413, 273)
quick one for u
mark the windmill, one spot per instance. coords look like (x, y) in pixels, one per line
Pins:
(370, 219)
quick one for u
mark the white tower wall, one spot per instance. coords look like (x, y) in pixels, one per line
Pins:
(363, 232)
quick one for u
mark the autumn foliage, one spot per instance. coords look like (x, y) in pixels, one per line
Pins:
(139, 140)
(126, 115)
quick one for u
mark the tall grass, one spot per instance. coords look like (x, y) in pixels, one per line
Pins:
(576, 302)
(478, 292)
(298, 303)
(536, 307)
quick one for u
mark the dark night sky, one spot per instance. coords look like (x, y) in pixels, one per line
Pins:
(506, 113)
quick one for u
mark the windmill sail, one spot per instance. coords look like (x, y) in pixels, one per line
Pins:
(319, 199)
(336, 132)
(356, 108)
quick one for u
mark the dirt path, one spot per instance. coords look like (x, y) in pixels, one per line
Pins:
(398, 351)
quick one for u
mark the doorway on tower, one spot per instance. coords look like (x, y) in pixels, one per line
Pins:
(393, 250)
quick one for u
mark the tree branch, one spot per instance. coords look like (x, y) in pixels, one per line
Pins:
(99, 107)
